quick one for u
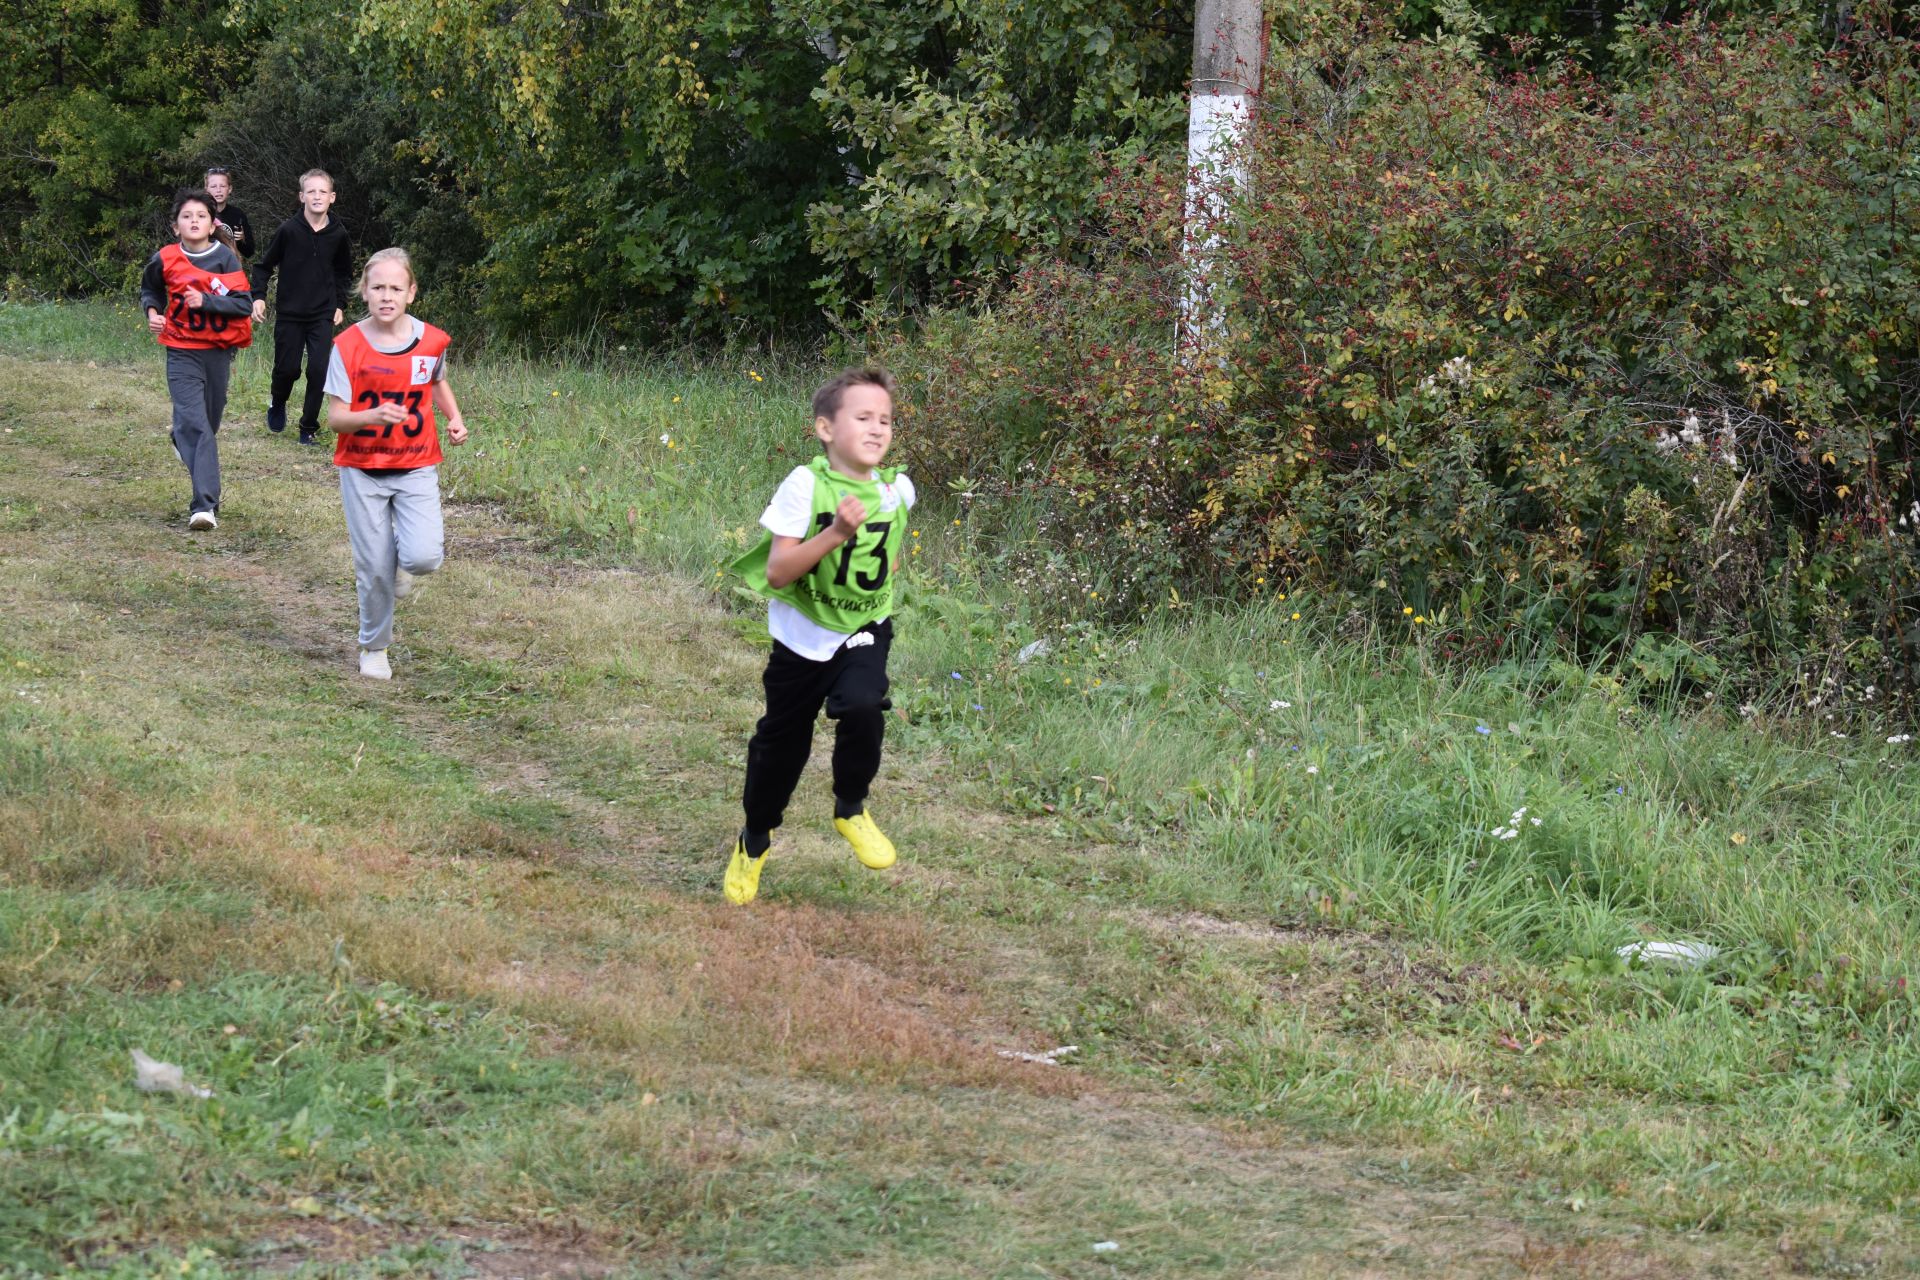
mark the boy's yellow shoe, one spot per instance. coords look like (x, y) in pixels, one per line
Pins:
(874, 850)
(743, 875)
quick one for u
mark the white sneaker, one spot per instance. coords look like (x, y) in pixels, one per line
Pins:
(403, 584)
(374, 664)
(202, 520)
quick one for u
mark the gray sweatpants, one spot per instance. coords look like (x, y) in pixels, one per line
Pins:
(197, 385)
(393, 522)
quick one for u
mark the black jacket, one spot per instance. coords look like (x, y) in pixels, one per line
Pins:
(316, 269)
(242, 227)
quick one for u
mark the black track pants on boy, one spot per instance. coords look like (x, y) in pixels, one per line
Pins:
(291, 340)
(852, 684)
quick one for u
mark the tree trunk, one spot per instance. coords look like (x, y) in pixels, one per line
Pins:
(1229, 54)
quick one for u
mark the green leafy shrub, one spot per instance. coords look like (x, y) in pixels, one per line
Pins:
(653, 165)
(311, 102)
(1498, 352)
(95, 97)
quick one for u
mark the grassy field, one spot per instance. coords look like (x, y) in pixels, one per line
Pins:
(451, 954)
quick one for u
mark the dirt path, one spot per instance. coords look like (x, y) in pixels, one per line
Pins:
(839, 1043)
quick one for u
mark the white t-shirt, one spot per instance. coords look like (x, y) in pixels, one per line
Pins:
(790, 515)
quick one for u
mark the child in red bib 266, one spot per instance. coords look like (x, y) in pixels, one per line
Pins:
(386, 379)
(196, 297)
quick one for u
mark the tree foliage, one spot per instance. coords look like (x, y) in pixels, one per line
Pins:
(645, 164)
(737, 159)
(1527, 32)
(95, 97)
(1621, 361)
(312, 102)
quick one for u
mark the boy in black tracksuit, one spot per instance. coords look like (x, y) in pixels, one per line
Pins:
(231, 216)
(316, 276)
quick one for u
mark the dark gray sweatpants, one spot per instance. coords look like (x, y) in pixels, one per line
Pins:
(197, 384)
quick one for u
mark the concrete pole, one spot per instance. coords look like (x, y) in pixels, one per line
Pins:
(1229, 58)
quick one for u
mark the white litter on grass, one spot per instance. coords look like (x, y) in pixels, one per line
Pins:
(1106, 1246)
(1038, 649)
(164, 1077)
(1051, 1058)
(1685, 954)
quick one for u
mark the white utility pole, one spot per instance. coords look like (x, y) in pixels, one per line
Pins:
(1229, 57)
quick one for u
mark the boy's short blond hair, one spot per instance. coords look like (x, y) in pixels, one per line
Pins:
(316, 173)
(826, 401)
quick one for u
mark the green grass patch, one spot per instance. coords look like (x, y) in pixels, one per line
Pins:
(341, 1100)
(1281, 879)
(107, 332)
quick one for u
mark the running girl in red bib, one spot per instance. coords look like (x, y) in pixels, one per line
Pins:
(386, 379)
(198, 305)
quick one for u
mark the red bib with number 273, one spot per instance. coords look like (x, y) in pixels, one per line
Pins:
(404, 378)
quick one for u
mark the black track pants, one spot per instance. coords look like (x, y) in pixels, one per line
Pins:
(291, 340)
(852, 685)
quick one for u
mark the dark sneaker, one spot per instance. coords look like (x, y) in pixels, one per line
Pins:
(310, 437)
(276, 418)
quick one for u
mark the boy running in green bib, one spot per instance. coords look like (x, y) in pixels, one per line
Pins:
(826, 566)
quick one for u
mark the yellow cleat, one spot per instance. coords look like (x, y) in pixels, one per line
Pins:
(743, 875)
(874, 850)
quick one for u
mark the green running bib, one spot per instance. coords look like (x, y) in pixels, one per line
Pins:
(852, 586)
